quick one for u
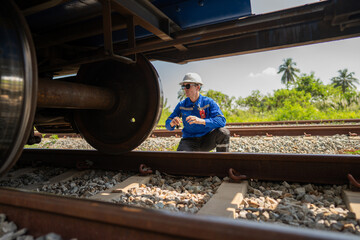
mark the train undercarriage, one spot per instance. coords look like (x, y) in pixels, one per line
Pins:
(108, 90)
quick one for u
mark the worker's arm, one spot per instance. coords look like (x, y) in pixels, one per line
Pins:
(216, 119)
(173, 120)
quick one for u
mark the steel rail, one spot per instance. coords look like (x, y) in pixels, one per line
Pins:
(85, 219)
(319, 130)
(327, 169)
(298, 122)
(291, 122)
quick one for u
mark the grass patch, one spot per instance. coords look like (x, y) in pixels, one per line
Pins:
(351, 151)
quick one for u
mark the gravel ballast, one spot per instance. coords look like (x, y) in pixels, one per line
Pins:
(9, 230)
(336, 144)
(87, 185)
(306, 205)
(177, 194)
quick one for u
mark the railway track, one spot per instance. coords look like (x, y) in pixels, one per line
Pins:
(320, 130)
(85, 219)
(289, 128)
(109, 221)
(290, 122)
(326, 169)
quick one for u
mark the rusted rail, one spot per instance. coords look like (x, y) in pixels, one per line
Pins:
(355, 120)
(319, 130)
(84, 219)
(250, 132)
(329, 169)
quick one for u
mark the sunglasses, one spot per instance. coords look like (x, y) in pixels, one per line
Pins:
(187, 86)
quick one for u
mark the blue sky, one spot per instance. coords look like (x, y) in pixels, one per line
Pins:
(240, 75)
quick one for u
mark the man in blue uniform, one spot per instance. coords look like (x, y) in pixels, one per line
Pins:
(202, 119)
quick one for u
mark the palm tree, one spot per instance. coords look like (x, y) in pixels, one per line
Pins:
(345, 80)
(288, 67)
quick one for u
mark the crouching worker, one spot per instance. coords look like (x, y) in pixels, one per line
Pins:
(202, 119)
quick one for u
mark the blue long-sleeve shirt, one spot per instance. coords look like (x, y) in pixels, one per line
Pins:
(214, 118)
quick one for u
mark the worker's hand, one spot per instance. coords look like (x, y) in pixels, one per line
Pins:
(196, 120)
(175, 122)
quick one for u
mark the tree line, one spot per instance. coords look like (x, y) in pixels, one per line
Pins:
(305, 97)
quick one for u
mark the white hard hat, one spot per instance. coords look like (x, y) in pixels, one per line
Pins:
(192, 78)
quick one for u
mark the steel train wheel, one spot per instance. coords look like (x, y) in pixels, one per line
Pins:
(18, 84)
(137, 111)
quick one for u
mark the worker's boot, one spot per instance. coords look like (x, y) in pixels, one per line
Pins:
(222, 148)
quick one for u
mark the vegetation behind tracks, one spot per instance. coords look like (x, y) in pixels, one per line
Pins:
(305, 97)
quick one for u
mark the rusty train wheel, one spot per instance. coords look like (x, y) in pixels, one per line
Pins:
(18, 84)
(136, 113)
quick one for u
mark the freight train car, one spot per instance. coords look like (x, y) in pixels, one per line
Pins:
(115, 97)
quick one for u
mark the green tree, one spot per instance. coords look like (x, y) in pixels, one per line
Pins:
(291, 96)
(240, 103)
(224, 101)
(289, 72)
(254, 99)
(295, 111)
(256, 102)
(340, 101)
(309, 84)
(345, 80)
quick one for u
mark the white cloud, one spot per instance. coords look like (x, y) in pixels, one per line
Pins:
(266, 72)
(270, 71)
(252, 75)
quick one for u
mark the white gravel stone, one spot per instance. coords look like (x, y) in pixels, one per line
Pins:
(39, 175)
(299, 205)
(177, 194)
(8, 231)
(86, 185)
(256, 144)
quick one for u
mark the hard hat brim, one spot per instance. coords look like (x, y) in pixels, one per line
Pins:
(189, 81)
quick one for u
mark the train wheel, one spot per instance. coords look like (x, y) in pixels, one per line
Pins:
(18, 84)
(137, 111)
